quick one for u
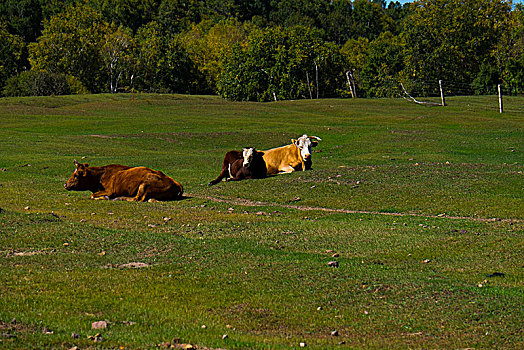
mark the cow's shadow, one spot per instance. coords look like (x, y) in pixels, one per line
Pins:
(152, 200)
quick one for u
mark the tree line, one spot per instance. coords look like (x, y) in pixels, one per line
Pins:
(259, 50)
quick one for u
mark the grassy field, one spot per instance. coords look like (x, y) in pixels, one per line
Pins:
(421, 207)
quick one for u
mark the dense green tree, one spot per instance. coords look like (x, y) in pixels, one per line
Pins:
(398, 12)
(355, 53)
(264, 49)
(209, 45)
(148, 53)
(486, 80)
(11, 52)
(175, 16)
(116, 53)
(280, 63)
(337, 22)
(256, 11)
(509, 51)
(450, 39)
(299, 12)
(128, 13)
(23, 17)
(179, 72)
(383, 64)
(369, 19)
(245, 76)
(37, 83)
(160, 63)
(54, 7)
(71, 44)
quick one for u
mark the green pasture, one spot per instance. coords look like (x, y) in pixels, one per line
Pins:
(421, 207)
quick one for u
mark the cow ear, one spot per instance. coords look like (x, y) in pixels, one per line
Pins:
(314, 140)
(76, 163)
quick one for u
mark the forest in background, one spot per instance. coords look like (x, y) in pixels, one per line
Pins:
(260, 50)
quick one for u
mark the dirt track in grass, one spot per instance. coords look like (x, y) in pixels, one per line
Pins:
(249, 203)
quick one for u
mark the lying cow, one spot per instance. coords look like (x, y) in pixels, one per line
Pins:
(123, 182)
(237, 165)
(293, 157)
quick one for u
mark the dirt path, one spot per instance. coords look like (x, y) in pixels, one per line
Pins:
(249, 203)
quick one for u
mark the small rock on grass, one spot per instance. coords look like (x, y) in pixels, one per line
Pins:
(176, 346)
(496, 274)
(99, 325)
(97, 338)
(133, 265)
(333, 263)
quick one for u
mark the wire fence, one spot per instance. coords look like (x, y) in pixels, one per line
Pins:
(498, 98)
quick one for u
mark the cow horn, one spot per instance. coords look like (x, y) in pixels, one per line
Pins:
(315, 137)
(76, 163)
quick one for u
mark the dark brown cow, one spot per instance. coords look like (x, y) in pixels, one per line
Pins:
(237, 166)
(123, 182)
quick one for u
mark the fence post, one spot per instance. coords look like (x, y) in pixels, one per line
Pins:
(501, 109)
(441, 93)
(351, 85)
(309, 86)
(316, 75)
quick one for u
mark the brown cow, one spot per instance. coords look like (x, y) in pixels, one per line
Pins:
(123, 182)
(237, 166)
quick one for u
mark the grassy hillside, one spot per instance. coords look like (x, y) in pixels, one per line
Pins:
(422, 208)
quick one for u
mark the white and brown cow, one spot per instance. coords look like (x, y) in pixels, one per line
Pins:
(293, 157)
(237, 165)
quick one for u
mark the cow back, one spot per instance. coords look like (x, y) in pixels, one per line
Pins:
(276, 158)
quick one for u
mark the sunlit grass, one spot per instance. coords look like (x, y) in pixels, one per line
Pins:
(421, 207)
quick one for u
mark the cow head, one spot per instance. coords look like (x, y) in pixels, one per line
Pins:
(304, 143)
(80, 180)
(248, 153)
